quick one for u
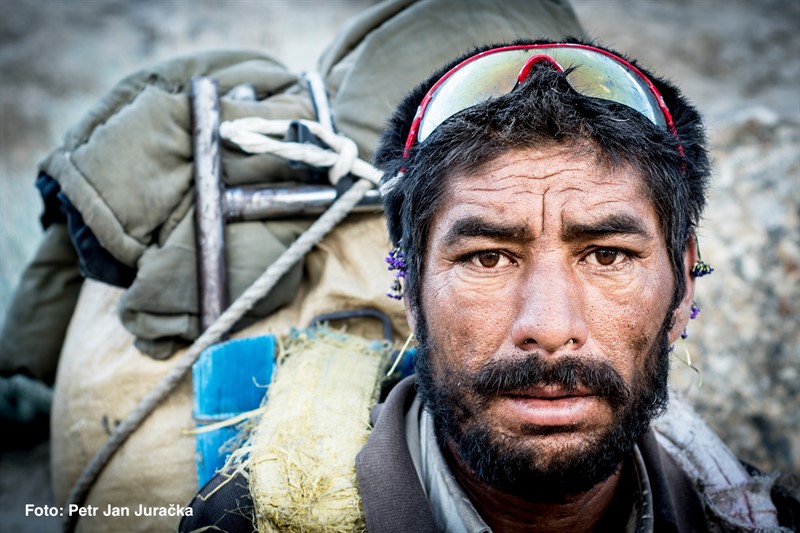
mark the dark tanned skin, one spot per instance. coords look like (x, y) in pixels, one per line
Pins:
(549, 252)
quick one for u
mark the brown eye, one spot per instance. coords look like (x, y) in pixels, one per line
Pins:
(606, 257)
(489, 259)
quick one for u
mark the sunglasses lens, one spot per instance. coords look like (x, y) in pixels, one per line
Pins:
(487, 77)
(600, 76)
(494, 74)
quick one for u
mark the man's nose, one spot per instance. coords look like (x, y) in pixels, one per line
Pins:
(550, 311)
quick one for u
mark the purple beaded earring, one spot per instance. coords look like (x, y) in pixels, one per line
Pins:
(397, 264)
(700, 267)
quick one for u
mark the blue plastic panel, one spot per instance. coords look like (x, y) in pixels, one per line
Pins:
(228, 379)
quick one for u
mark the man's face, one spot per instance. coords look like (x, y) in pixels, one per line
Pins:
(545, 297)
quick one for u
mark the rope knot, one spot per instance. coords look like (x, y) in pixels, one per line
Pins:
(253, 135)
(348, 153)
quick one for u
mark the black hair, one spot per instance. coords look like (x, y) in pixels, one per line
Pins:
(544, 112)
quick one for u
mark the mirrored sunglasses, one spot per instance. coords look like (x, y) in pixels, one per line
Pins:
(590, 71)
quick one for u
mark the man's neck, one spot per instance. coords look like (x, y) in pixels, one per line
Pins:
(504, 512)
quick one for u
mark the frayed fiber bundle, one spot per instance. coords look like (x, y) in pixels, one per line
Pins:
(316, 419)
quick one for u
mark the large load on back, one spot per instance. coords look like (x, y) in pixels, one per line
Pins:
(122, 190)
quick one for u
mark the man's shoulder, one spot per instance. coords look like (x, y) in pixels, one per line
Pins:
(224, 503)
(693, 458)
(392, 496)
(677, 501)
(398, 397)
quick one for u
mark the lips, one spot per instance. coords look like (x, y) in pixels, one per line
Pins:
(552, 392)
(551, 406)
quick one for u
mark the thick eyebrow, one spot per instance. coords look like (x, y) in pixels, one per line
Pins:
(479, 227)
(616, 224)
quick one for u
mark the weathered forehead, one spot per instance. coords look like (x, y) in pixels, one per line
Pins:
(538, 185)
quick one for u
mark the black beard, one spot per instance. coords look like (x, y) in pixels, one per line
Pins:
(507, 465)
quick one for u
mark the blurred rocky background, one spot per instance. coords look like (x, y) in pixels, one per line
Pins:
(738, 60)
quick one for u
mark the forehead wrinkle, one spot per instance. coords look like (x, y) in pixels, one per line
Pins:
(506, 175)
(491, 183)
(492, 173)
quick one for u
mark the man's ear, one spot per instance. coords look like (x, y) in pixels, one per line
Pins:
(683, 312)
(411, 316)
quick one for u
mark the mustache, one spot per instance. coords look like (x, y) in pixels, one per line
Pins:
(509, 376)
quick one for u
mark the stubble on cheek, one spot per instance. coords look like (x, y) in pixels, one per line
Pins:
(642, 346)
(634, 339)
(468, 333)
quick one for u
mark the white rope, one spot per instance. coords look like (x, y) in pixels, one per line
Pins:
(391, 183)
(253, 135)
(298, 249)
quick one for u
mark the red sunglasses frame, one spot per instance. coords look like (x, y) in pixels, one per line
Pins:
(525, 71)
